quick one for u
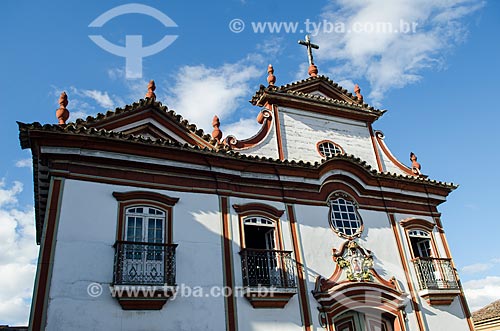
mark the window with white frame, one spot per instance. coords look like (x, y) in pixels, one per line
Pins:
(145, 224)
(344, 217)
(329, 148)
(420, 243)
(259, 233)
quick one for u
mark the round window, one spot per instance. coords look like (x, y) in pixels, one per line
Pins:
(329, 148)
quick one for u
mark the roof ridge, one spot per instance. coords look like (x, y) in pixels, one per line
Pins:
(332, 100)
(288, 88)
(143, 104)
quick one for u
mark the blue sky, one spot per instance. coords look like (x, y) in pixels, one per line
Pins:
(439, 84)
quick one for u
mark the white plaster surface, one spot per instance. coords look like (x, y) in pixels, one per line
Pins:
(84, 255)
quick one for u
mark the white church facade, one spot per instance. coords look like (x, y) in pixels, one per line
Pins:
(147, 223)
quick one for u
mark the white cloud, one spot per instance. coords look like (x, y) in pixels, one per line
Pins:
(24, 163)
(388, 59)
(200, 92)
(18, 253)
(272, 46)
(243, 129)
(102, 98)
(84, 102)
(480, 267)
(477, 268)
(9, 196)
(481, 292)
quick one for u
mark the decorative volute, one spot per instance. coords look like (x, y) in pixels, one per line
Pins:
(151, 90)
(216, 133)
(271, 78)
(62, 113)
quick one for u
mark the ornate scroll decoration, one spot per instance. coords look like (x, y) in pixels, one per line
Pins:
(265, 118)
(356, 262)
(355, 284)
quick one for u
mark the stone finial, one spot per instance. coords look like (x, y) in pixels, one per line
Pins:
(415, 166)
(216, 133)
(357, 91)
(271, 78)
(151, 90)
(313, 70)
(62, 113)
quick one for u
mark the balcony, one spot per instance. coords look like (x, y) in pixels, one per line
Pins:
(268, 277)
(144, 274)
(437, 280)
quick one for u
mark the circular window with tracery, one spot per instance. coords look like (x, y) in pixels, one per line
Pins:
(344, 217)
(328, 148)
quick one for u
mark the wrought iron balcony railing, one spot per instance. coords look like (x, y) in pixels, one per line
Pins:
(435, 274)
(140, 263)
(261, 267)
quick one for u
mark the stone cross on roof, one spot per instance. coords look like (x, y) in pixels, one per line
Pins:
(309, 46)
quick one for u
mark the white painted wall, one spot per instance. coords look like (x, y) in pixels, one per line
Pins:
(268, 147)
(250, 319)
(438, 318)
(302, 130)
(84, 254)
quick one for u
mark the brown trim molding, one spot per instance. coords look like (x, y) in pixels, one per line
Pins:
(278, 300)
(303, 297)
(404, 263)
(417, 223)
(144, 300)
(258, 207)
(380, 139)
(270, 212)
(127, 199)
(45, 261)
(437, 298)
(227, 265)
(266, 119)
(281, 152)
(145, 195)
(463, 301)
(375, 149)
(237, 186)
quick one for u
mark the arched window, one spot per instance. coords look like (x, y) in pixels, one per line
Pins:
(419, 236)
(144, 252)
(328, 148)
(145, 224)
(344, 217)
(264, 262)
(260, 233)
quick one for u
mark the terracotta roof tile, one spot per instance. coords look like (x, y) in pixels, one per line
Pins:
(290, 89)
(144, 104)
(487, 312)
(76, 129)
